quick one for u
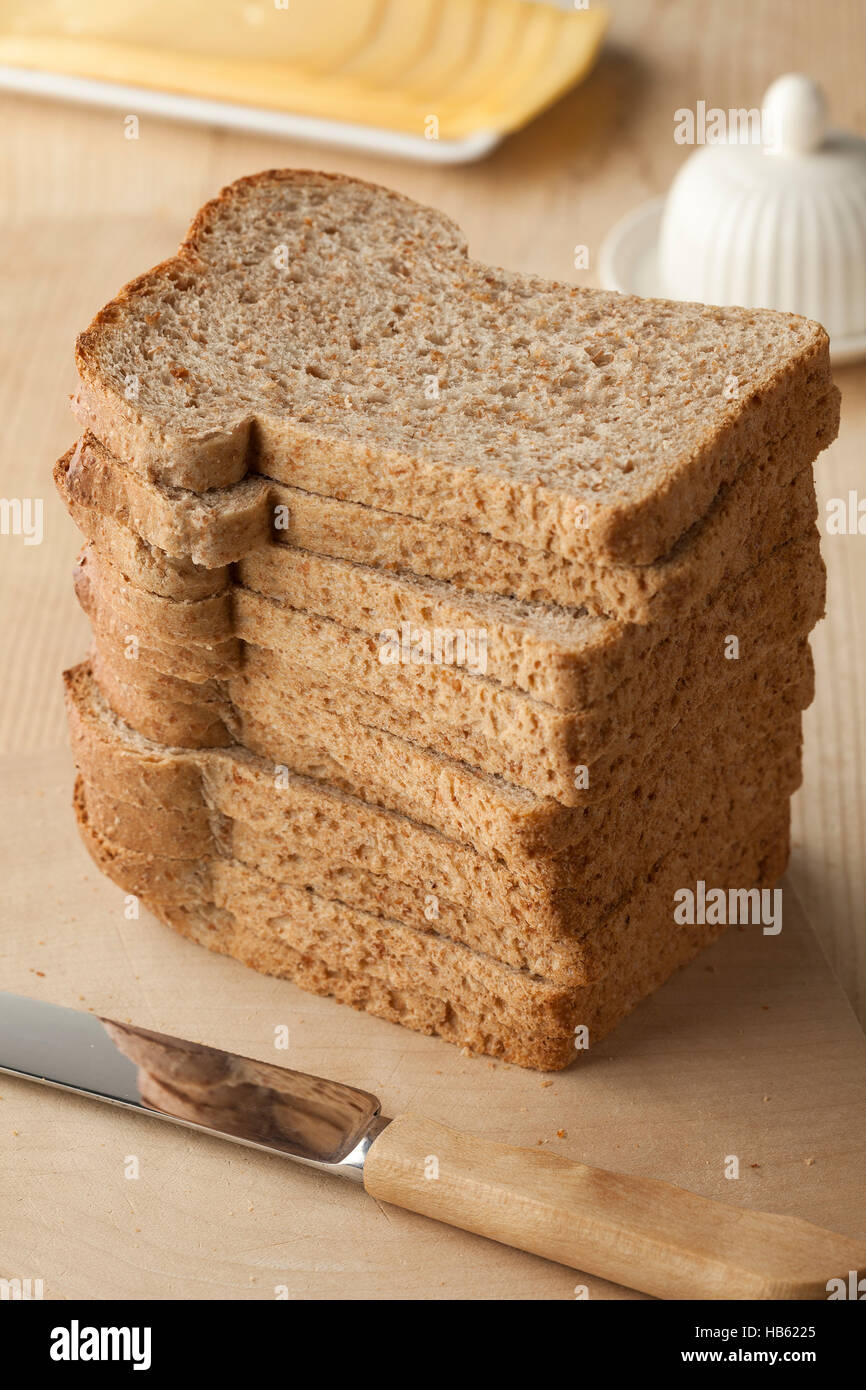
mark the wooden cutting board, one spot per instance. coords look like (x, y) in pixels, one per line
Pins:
(752, 1052)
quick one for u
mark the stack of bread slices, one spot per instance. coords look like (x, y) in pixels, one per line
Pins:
(449, 625)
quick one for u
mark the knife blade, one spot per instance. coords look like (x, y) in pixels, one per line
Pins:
(305, 1118)
(640, 1232)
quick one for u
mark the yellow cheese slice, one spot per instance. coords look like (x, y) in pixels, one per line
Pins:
(476, 65)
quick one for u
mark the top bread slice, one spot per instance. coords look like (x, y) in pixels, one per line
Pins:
(335, 336)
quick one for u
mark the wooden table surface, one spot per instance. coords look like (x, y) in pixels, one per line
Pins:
(82, 209)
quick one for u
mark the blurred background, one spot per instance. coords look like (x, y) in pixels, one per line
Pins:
(536, 126)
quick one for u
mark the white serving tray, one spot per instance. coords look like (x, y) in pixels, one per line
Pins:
(258, 120)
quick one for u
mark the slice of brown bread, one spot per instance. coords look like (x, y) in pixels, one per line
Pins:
(417, 978)
(276, 692)
(203, 805)
(163, 842)
(561, 657)
(337, 725)
(335, 336)
(480, 978)
(768, 501)
(331, 704)
(464, 802)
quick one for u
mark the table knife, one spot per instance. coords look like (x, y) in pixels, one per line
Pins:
(637, 1232)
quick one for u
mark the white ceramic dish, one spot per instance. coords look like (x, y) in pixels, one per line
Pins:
(628, 262)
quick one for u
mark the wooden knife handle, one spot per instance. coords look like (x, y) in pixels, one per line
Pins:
(638, 1232)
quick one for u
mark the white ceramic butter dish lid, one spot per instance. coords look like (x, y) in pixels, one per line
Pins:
(770, 214)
